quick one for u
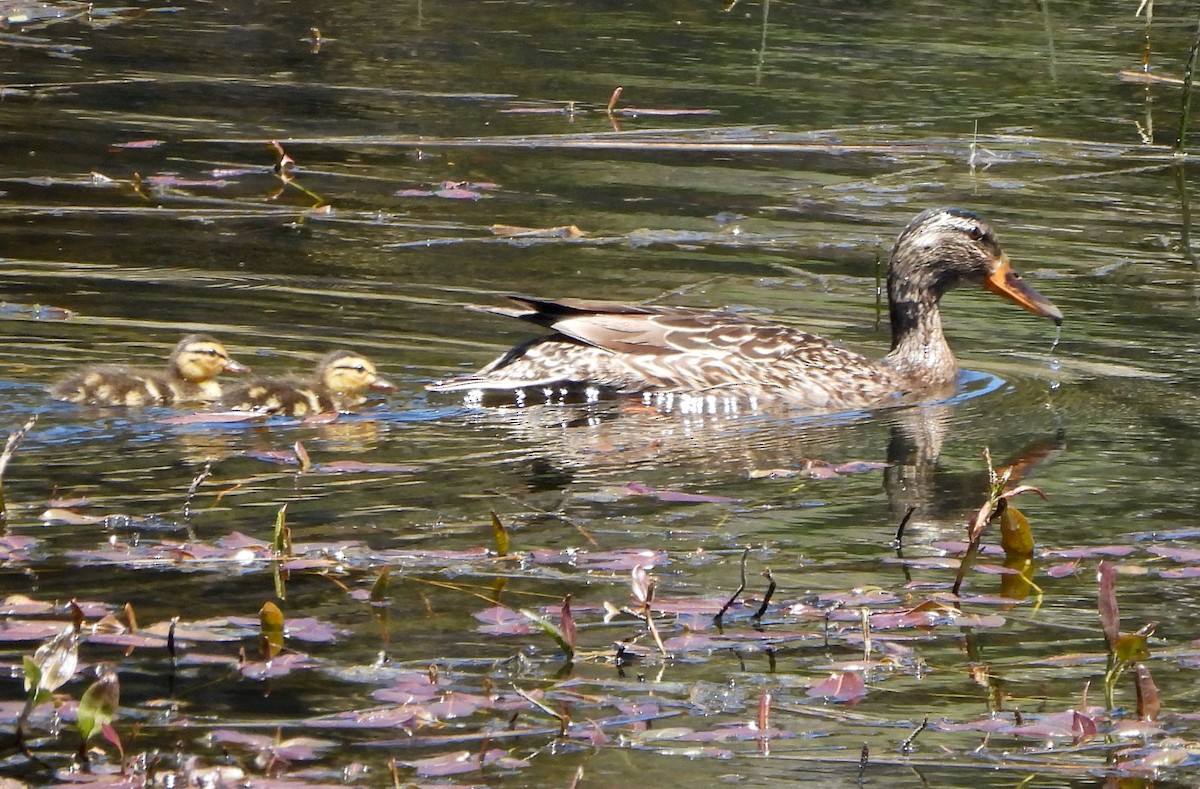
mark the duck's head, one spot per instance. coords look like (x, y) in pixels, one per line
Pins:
(347, 372)
(198, 358)
(942, 247)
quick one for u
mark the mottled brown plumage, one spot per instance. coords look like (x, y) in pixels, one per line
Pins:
(627, 349)
(189, 377)
(340, 383)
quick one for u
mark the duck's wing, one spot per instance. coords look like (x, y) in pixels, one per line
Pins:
(660, 331)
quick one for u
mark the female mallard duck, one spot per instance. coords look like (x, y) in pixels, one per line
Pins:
(614, 348)
(190, 377)
(340, 384)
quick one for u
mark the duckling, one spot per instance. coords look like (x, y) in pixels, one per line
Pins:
(189, 377)
(339, 383)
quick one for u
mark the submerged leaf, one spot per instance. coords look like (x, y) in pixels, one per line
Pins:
(845, 686)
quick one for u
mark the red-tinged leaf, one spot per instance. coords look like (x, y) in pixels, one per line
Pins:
(566, 622)
(639, 489)
(1110, 617)
(465, 762)
(414, 193)
(110, 734)
(323, 418)
(858, 466)
(1180, 573)
(128, 640)
(1148, 703)
(1187, 555)
(138, 144)
(845, 686)
(1083, 727)
(408, 694)
(212, 417)
(276, 667)
(458, 194)
(237, 541)
(1063, 570)
(992, 725)
(455, 705)
(501, 621)
(359, 467)
(820, 472)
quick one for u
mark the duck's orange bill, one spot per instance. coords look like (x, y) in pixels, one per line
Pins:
(1006, 282)
(381, 385)
(235, 367)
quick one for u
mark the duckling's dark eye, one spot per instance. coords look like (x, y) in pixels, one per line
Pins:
(977, 234)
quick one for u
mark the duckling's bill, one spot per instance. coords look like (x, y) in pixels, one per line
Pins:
(1008, 283)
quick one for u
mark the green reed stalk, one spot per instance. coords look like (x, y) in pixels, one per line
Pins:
(1185, 108)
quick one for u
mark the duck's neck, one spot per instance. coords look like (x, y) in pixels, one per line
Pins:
(919, 348)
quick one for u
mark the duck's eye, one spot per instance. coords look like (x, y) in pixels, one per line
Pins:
(976, 234)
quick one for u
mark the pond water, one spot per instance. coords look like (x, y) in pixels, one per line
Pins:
(139, 202)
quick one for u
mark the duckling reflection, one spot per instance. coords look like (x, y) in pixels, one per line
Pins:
(189, 377)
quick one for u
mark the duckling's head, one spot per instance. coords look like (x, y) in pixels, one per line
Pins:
(347, 372)
(199, 358)
(944, 246)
